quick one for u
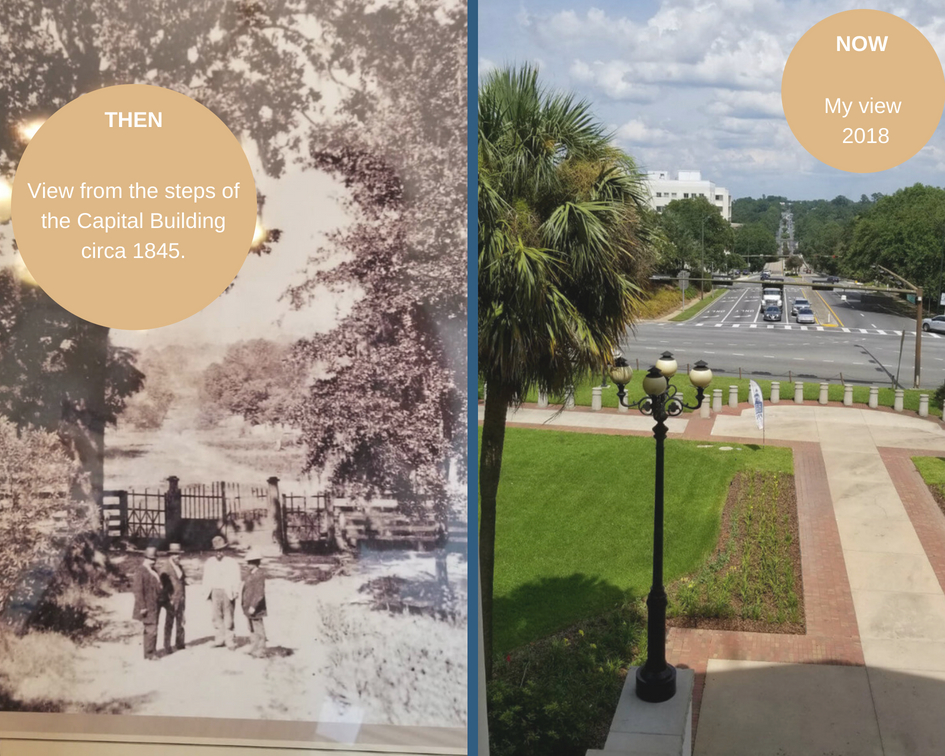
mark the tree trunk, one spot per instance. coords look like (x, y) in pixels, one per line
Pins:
(490, 468)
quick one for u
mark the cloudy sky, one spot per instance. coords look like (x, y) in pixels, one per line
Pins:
(695, 84)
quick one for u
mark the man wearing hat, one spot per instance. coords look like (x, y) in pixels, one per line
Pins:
(254, 602)
(174, 582)
(147, 590)
(221, 586)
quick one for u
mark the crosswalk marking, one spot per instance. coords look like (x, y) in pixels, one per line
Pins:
(753, 325)
(863, 330)
(820, 328)
(881, 333)
(789, 327)
(803, 328)
(846, 330)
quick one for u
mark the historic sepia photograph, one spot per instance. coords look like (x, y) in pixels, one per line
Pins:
(255, 518)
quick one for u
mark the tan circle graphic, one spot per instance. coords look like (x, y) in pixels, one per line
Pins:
(134, 207)
(863, 91)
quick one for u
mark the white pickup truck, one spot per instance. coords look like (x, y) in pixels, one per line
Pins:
(771, 297)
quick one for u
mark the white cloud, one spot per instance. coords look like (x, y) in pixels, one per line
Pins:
(485, 65)
(636, 132)
(614, 79)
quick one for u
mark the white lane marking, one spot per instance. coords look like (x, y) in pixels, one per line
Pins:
(873, 325)
(846, 330)
(881, 333)
(820, 328)
(735, 305)
(863, 330)
(934, 335)
(770, 326)
(788, 328)
(898, 333)
(698, 325)
(719, 325)
(753, 325)
(799, 359)
(736, 354)
(804, 328)
(735, 325)
(828, 360)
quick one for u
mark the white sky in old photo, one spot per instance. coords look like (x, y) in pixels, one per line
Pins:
(696, 84)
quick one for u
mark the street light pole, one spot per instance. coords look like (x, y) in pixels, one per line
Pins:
(656, 679)
(702, 284)
(918, 321)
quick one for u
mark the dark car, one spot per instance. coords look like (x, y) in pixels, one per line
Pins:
(833, 279)
(773, 313)
(765, 275)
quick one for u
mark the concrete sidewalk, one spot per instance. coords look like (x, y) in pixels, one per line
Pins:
(869, 675)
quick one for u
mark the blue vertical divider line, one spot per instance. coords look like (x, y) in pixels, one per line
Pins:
(472, 374)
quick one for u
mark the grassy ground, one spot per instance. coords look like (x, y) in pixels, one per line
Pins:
(663, 300)
(699, 306)
(753, 579)
(582, 392)
(573, 563)
(575, 522)
(932, 470)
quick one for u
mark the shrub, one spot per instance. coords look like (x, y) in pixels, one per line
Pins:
(35, 477)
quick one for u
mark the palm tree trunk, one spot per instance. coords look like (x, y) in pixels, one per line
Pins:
(490, 468)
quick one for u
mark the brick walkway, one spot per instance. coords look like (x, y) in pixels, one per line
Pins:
(832, 636)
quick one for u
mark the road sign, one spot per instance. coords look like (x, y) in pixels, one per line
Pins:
(758, 401)
(683, 279)
(942, 300)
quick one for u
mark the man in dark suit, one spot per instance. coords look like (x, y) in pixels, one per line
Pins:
(147, 590)
(174, 581)
(254, 602)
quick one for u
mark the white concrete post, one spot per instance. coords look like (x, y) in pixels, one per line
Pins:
(542, 399)
(716, 400)
(923, 405)
(733, 396)
(706, 406)
(874, 397)
(569, 398)
(484, 387)
(824, 392)
(848, 395)
(897, 405)
(775, 392)
(798, 392)
(596, 398)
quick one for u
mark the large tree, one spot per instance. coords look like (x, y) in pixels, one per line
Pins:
(559, 226)
(903, 232)
(696, 226)
(386, 408)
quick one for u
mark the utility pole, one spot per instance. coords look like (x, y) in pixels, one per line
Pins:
(918, 321)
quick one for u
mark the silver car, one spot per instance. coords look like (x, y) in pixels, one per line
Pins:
(799, 304)
(934, 324)
(805, 316)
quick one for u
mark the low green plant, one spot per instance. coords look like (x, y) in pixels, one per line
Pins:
(557, 697)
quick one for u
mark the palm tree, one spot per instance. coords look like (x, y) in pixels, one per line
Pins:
(560, 211)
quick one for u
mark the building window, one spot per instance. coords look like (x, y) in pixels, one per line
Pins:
(659, 208)
(674, 194)
(718, 197)
(686, 195)
(659, 194)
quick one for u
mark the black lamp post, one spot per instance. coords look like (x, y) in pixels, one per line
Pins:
(656, 680)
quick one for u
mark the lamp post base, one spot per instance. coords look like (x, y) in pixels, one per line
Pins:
(656, 688)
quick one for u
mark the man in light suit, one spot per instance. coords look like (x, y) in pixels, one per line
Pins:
(221, 586)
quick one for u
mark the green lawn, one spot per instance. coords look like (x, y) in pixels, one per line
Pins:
(932, 470)
(582, 392)
(699, 306)
(575, 522)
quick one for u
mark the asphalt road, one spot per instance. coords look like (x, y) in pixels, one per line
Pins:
(860, 340)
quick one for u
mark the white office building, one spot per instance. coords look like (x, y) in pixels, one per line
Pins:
(666, 186)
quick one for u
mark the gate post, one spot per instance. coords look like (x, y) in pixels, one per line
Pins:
(122, 514)
(172, 510)
(275, 513)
